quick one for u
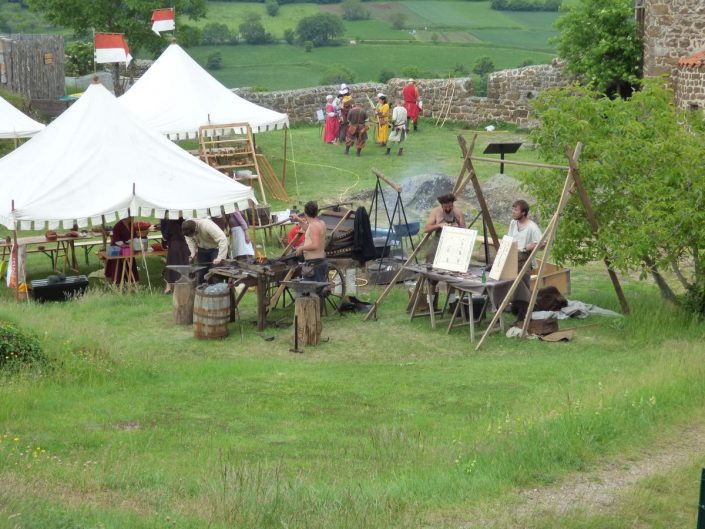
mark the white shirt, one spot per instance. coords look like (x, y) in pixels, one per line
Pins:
(529, 234)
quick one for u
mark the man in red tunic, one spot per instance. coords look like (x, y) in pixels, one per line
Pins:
(411, 97)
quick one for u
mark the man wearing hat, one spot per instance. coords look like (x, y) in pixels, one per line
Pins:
(411, 96)
(382, 113)
(357, 129)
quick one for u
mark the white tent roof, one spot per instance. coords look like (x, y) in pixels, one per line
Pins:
(15, 124)
(176, 96)
(97, 159)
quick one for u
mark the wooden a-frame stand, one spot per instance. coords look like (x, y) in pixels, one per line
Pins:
(467, 175)
(572, 182)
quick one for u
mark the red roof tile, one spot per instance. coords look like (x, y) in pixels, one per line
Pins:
(694, 61)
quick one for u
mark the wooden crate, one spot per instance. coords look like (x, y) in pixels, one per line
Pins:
(553, 276)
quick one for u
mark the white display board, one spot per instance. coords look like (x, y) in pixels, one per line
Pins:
(455, 249)
(505, 265)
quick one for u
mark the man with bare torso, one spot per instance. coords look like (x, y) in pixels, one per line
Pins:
(447, 214)
(313, 248)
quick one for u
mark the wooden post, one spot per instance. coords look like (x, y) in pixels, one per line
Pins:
(184, 294)
(286, 131)
(308, 313)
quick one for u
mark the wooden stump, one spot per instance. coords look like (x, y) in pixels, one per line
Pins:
(184, 294)
(308, 314)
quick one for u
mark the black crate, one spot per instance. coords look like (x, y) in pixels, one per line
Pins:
(70, 287)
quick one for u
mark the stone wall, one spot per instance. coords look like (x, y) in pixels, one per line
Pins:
(690, 87)
(672, 29)
(509, 92)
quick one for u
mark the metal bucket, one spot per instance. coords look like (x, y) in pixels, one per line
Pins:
(211, 314)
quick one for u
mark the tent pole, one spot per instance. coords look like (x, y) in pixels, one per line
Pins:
(286, 131)
(14, 256)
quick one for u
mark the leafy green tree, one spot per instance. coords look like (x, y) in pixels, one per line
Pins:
(642, 169)
(483, 66)
(214, 61)
(190, 35)
(272, 7)
(354, 10)
(397, 20)
(289, 36)
(215, 33)
(600, 43)
(253, 31)
(79, 58)
(336, 74)
(385, 75)
(320, 29)
(131, 17)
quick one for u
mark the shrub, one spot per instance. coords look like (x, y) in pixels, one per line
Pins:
(253, 31)
(385, 75)
(308, 46)
(337, 74)
(483, 66)
(214, 61)
(189, 36)
(459, 70)
(526, 62)
(416, 72)
(289, 36)
(272, 7)
(79, 58)
(18, 349)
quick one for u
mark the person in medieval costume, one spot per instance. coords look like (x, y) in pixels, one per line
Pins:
(177, 252)
(122, 235)
(357, 129)
(343, 111)
(411, 96)
(398, 134)
(330, 131)
(382, 112)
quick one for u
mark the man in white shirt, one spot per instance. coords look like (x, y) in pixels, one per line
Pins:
(398, 124)
(526, 232)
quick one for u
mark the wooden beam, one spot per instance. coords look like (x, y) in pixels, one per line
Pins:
(525, 164)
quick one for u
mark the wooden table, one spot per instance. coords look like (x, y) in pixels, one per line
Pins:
(127, 276)
(62, 248)
(466, 284)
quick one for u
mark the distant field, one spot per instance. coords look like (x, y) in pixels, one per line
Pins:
(278, 67)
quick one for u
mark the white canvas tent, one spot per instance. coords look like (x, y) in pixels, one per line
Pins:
(14, 124)
(176, 96)
(97, 159)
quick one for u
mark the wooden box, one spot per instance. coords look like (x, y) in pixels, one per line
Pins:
(554, 276)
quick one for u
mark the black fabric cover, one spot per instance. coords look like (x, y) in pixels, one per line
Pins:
(363, 243)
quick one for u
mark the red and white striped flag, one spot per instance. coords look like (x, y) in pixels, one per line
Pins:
(163, 20)
(111, 47)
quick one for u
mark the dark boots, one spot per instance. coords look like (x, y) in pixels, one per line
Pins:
(358, 152)
(401, 149)
(388, 151)
(347, 149)
(416, 127)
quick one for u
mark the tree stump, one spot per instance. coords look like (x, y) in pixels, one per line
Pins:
(184, 294)
(307, 311)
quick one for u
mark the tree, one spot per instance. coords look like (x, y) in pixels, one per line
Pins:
(483, 66)
(397, 20)
(336, 74)
(354, 10)
(641, 166)
(272, 7)
(253, 31)
(131, 17)
(215, 33)
(214, 61)
(79, 58)
(599, 41)
(320, 29)
(289, 35)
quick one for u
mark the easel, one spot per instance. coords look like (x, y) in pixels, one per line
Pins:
(397, 212)
(572, 182)
(460, 184)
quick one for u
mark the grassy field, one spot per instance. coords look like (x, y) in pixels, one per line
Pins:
(387, 424)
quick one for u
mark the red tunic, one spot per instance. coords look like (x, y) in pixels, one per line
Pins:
(410, 95)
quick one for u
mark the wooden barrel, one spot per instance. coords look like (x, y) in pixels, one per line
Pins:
(184, 294)
(211, 314)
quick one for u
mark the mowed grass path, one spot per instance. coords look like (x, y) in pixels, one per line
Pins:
(388, 424)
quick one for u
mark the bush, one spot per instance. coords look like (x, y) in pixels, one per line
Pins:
(385, 75)
(215, 33)
(526, 5)
(189, 36)
(397, 20)
(18, 350)
(483, 66)
(354, 10)
(253, 31)
(416, 73)
(526, 62)
(214, 61)
(272, 7)
(308, 46)
(289, 36)
(337, 74)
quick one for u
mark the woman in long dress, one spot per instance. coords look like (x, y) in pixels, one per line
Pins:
(330, 132)
(240, 244)
(177, 251)
(382, 113)
(122, 235)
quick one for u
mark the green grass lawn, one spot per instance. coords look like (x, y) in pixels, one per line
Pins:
(387, 424)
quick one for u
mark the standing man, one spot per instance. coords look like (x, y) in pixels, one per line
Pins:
(357, 129)
(398, 134)
(447, 214)
(411, 97)
(207, 243)
(526, 233)
(313, 248)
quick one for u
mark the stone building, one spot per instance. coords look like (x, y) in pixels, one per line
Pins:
(690, 82)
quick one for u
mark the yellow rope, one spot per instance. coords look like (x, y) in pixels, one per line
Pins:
(345, 191)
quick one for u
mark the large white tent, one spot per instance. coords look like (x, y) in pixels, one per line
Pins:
(176, 96)
(15, 124)
(95, 160)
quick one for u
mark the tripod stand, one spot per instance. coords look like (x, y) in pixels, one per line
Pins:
(397, 220)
